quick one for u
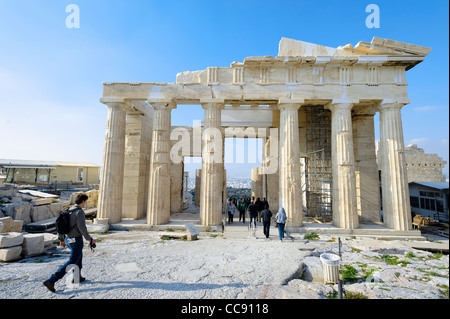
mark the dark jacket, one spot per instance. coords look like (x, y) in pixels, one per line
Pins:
(252, 209)
(266, 215)
(78, 222)
(259, 205)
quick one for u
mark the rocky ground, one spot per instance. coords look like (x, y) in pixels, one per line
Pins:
(139, 264)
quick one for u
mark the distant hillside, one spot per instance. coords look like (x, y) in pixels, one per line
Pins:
(239, 192)
(233, 192)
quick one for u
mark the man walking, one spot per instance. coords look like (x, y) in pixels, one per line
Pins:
(253, 213)
(73, 239)
(266, 215)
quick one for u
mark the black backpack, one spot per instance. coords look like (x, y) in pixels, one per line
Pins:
(63, 222)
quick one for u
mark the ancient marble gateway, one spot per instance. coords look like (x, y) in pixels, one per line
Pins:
(314, 107)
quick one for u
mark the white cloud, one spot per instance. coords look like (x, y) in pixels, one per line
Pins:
(424, 108)
(418, 140)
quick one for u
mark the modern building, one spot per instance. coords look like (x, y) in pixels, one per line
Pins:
(429, 199)
(47, 172)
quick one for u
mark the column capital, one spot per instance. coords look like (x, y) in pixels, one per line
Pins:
(212, 103)
(162, 104)
(341, 104)
(114, 102)
(386, 104)
(290, 104)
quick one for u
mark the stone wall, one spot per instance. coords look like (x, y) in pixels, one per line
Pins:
(422, 167)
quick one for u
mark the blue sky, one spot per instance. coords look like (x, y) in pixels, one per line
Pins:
(51, 76)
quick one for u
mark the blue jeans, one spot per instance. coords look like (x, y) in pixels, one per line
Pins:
(281, 230)
(76, 257)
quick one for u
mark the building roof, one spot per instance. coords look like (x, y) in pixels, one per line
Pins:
(17, 163)
(436, 185)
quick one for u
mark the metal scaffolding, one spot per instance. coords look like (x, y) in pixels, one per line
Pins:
(318, 162)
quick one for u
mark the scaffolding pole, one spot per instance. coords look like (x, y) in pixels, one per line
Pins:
(318, 162)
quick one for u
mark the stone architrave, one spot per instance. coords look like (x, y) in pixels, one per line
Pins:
(111, 182)
(290, 197)
(345, 214)
(211, 194)
(394, 180)
(159, 185)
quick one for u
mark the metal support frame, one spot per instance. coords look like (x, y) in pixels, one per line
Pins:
(318, 162)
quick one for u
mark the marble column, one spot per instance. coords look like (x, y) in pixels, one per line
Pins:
(176, 187)
(136, 167)
(394, 182)
(345, 214)
(366, 168)
(198, 183)
(111, 180)
(290, 196)
(212, 183)
(159, 185)
(271, 171)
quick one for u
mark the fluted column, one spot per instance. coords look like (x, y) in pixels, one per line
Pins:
(136, 167)
(394, 182)
(111, 180)
(290, 180)
(212, 164)
(366, 168)
(159, 182)
(345, 214)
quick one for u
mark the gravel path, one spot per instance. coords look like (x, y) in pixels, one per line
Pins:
(138, 264)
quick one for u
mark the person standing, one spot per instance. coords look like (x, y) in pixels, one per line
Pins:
(73, 239)
(231, 207)
(242, 207)
(281, 222)
(266, 216)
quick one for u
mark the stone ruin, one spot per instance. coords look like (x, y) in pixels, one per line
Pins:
(319, 102)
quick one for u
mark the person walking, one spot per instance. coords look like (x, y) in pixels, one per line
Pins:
(73, 239)
(253, 213)
(266, 216)
(259, 208)
(281, 222)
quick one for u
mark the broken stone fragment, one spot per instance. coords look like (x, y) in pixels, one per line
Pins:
(10, 239)
(33, 245)
(10, 253)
